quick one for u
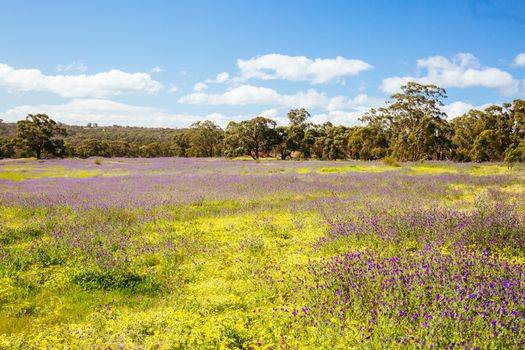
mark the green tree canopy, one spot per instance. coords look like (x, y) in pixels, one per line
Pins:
(414, 124)
(205, 139)
(40, 135)
(254, 137)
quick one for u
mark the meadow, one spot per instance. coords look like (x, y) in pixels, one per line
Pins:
(176, 253)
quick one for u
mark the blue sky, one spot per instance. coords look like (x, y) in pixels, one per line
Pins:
(170, 63)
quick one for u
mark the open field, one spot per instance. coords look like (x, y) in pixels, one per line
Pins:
(209, 253)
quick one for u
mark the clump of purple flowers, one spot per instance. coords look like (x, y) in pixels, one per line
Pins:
(422, 298)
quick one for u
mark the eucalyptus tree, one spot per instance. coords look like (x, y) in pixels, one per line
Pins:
(414, 124)
(490, 134)
(331, 142)
(294, 138)
(255, 137)
(367, 143)
(205, 139)
(298, 140)
(40, 135)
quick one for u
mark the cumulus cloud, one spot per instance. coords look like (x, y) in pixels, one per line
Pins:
(78, 66)
(270, 113)
(347, 118)
(200, 87)
(222, 120)
(463, 70)
(156, 70)
(299, 68)
(254, 95)
(110, 83)
(173, 88)
(219, 79)
(107, 112)
(519, 60)
(458, 108)
(104, 112)
(337, 117)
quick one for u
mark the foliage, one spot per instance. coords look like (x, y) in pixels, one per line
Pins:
(113, 141)
(37, 134)
(367, 143)
(206, 139)
(202, 139)
(391, 161)
(255, 137)
(331, 142)
(411, 127)
(413, 123)
(125, 281)
(515, 154)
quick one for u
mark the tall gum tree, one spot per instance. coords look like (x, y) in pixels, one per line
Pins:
(40, 135)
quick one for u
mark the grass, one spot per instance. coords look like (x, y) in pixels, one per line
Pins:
(353, 168)
(30, 172)
(179, 258)
(433, 169)
(492, 169)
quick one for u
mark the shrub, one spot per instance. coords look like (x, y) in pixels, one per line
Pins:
(391, 161)
(99, 279)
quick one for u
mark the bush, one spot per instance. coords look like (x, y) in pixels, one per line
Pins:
(391, 161)
(98, 279)
(14, 235)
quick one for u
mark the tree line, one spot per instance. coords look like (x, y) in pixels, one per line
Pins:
(410, 127)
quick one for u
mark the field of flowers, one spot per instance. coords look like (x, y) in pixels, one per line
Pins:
(233, 254)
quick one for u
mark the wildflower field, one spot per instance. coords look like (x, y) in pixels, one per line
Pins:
(232, 254)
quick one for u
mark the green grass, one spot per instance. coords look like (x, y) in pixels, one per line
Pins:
(489, 169)
(353, 168)
(22, 173)
(210, 288)
(433, 169)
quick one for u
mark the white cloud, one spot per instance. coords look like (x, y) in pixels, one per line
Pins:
(392, 85)
(173, 88)
(347, 118)
(200, 87)
(463, 70)
(241, 95)
(106, 112)
(270, 113)
(103, 112)
(219, 79)
(299, 68)
(156, 70)
(519, 60)
(458, 108)
(223, 120)
(73, 66)
(254, 95)
(111, 83)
